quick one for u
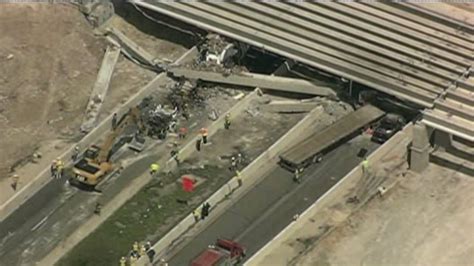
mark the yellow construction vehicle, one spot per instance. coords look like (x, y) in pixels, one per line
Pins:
(95, 163)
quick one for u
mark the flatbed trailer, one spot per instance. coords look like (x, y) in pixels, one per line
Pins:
(316, 145)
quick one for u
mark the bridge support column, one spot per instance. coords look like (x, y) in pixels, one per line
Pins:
(420, 148)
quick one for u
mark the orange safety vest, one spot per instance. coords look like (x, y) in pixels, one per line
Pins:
(204, 131)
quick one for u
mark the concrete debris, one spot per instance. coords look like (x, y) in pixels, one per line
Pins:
(220, 52)
(52, 121)
(252, 111)
(97, 12)
(120, 225)
(10, 56)
(133, 51)
(213, 115)
(239, 96)
(159, 120)
(290, 106)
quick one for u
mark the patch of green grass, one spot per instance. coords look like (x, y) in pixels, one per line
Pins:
(144, 215)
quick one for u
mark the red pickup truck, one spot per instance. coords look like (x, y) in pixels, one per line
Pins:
(223, 253)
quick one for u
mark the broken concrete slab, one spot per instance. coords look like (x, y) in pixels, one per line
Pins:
(130, 48)
(255, 80)
(100, 88)
(290, 106)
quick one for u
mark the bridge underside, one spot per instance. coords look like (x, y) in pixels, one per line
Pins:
(392, 47)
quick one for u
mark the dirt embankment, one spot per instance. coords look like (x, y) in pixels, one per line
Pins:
(49, 60)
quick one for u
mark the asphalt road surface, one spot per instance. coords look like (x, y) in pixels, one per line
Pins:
(270, 206)
(56, 211)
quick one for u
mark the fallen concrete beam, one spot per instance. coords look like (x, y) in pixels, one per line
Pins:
(290, 106)
(131, 48)
(255, 80)
(100, 88)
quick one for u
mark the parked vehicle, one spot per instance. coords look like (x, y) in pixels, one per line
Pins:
(222, 253)
(387, 127)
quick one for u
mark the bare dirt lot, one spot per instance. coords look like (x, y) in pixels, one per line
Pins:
(49, 62)
(425, 220)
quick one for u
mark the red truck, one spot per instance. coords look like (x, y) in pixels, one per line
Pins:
(223, 253)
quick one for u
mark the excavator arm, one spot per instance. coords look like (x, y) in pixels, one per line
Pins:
(131, 117)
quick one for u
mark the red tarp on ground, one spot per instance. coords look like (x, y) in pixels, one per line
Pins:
(188, 184)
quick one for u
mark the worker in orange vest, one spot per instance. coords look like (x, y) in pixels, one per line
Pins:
(204, 133)
(183, 132)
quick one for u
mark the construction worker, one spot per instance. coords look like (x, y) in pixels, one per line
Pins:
(114, 121)
(182, 132)
(174, 155)
(133, 260)
(365, 166)
(75, 153)
(154, 167)
(98, 208)
(53, 168)
(14, 183)
(142, 250)
(196, 215)
(135, 248)
(59, 168)
(198, 144)
(239, 178)
(204, 133)
(205, 210)
(123, 261)
(233, 164)
(163, 262)
(239, 159)
(296, 177)
(185, 112)
(147, 245)
(227, 121)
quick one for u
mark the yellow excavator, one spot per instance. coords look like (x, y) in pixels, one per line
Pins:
(95, 163)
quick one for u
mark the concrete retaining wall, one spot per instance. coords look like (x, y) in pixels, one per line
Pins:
(251, 175)
(279, 244)
(44, 177)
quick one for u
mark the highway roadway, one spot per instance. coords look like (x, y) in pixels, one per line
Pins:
(270, 206)
(57, 210)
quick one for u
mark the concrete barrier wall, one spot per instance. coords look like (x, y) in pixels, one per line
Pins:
(251, 175)
(44, 177)
(278, 245)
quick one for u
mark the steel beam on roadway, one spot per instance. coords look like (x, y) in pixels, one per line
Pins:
(255, 80)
